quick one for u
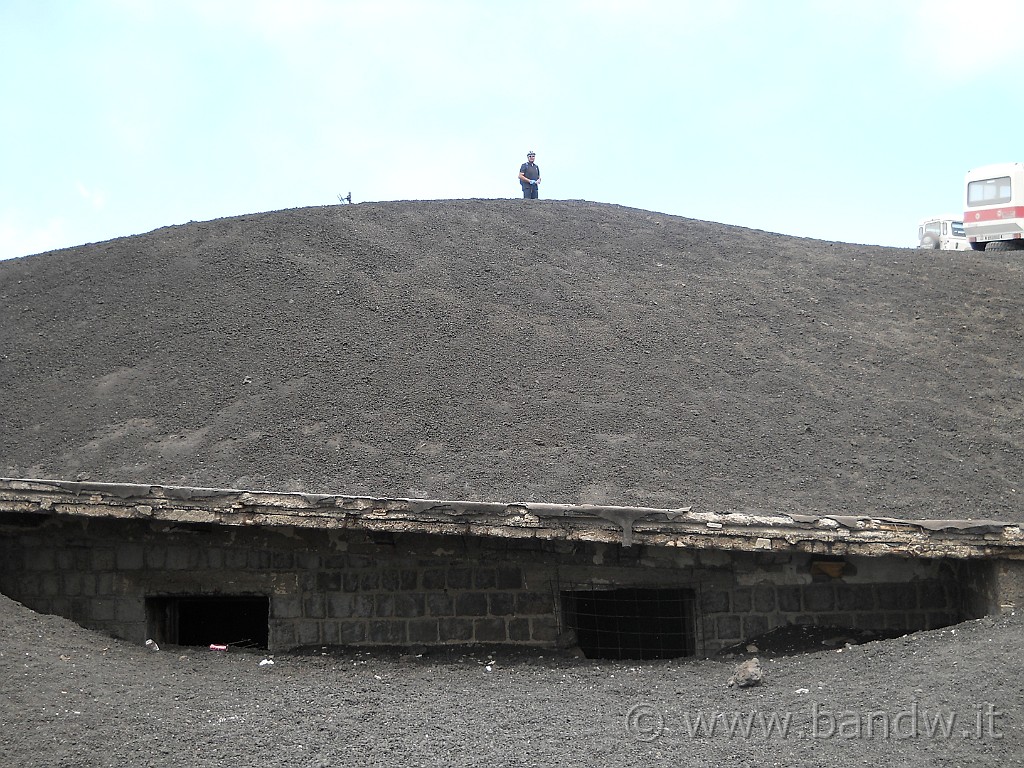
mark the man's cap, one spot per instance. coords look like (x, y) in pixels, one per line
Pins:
(531, 153)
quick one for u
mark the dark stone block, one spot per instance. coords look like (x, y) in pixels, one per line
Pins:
(501, 603)
(390, 581)
(534, 603)
(509, 578)
(728, 628)
(335, 562)
(440, 604)
(286, 607)
(385, 632)
(916, 621)
(754, 626)
(931, 596)
(282, 634)
(423, 631)
(178, 559)
(307, 561)
(258, 559)
(384, 605)
(313, 607)
(897, 597)
(715, 601)
(408, 580)
(471, 604)
(369, 581)
(485, 578)
(519, 630)
(308, 632)
(409, 605)
(460, 578)
(130, 557)
(282, 561)
(350, 606)
(328, 581)
(433, 578)
(872, 621)
(455, 630)
(490, 631)
(329, 633)
(351, 632)
(855, 597)
(896, 621)
(72, 583)
(128, 610)
(789, 599)
(351, 582)
(42, 559)
(741, 600)
(763, 598)
(819, 597)
(544, 630)
(156, 558)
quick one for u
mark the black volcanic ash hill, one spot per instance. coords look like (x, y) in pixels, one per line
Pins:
(561, 351)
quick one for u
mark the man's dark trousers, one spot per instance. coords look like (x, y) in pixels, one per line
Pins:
(530, 191)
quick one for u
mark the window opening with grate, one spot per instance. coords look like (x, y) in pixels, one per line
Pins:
(239, 621)
(631, 623)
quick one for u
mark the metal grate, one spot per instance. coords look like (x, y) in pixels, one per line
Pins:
(631, 622)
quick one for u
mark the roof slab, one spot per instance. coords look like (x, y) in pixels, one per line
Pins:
(739, 530)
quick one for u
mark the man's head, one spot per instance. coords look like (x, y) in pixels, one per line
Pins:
(530, 156)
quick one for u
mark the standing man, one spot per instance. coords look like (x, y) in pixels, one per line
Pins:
(529, 176)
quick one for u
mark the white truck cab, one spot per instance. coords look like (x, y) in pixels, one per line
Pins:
(994, 204)
(945, 233)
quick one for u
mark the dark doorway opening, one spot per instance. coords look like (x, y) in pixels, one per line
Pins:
(632, 623)
(239, 621)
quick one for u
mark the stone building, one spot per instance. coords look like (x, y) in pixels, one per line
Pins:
(193, 566)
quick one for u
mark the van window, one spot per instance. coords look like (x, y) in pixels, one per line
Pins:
(958, 229)
(989, 191)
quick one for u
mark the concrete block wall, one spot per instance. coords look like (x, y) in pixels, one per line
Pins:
(338, 588)
(730, 616)
(322, 590)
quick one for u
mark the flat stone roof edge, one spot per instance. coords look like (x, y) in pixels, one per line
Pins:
(679, 527)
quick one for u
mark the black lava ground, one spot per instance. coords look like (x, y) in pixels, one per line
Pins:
(493, 349)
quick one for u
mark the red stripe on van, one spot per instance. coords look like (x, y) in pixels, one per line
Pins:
(993, 214)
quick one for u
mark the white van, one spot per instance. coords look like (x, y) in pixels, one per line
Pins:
(994, 204)
(945, 233)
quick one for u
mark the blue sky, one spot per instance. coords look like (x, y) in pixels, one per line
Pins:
(831, 119)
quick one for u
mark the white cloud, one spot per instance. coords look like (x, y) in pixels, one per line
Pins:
(960, 40)
(96, 198)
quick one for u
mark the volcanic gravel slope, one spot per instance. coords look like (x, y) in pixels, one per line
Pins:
(72, 697)
(558, 351)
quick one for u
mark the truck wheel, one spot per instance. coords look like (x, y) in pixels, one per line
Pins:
(978, 246)
(930, 241)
